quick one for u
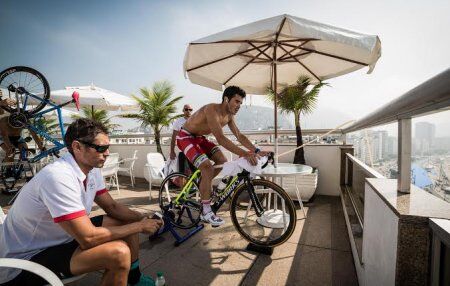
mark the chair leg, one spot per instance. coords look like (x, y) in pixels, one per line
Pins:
(131, 178)
(150, 188)
(299, 198)
(117, 183)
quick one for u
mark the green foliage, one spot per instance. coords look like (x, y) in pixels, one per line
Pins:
(298, 98)
(98, 115)
(157, 108)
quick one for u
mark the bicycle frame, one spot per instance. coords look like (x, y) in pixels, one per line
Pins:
(225, 193)
(43, 133)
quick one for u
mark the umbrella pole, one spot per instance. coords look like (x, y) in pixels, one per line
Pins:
(275, 105)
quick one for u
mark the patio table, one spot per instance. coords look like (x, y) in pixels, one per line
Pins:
(274, 217)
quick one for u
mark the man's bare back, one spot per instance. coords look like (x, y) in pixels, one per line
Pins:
(198, 123)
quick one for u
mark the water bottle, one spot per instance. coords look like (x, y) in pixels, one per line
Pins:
(160, 281)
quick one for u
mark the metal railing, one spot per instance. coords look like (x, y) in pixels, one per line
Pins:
(353, 176)
(430, 97)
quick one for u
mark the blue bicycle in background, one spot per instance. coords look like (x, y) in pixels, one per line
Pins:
(30, 91)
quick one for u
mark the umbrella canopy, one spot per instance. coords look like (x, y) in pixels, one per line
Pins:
(250, 56)
(274, 52)
(65, 113)
(95, 96)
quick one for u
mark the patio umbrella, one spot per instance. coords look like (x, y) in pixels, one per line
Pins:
(274, 52)
(92, 95)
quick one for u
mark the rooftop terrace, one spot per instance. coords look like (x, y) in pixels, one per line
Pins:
(318, 253)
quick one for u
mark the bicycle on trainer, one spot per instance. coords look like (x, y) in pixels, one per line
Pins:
(261, 211)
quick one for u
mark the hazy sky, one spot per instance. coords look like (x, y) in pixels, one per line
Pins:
(125, 45)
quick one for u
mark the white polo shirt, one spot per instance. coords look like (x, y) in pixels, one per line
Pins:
(57, 193)
(177, 124)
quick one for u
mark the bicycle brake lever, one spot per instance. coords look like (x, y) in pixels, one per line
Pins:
(269, 160)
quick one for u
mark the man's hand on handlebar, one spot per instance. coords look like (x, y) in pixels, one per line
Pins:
(264, 153)
(252, 158)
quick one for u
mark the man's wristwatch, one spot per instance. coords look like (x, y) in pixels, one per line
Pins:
(257, 150)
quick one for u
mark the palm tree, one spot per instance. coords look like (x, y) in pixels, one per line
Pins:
(98, 115)
(157, 108)
(298, 99)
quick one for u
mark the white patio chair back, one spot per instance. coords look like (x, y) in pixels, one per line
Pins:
(110, 169)
(154, 174)
(127, 166)
(302, 186)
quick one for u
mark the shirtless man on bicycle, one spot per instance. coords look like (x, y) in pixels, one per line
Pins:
(210, 119)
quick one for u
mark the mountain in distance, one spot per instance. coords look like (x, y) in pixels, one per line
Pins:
(262, 118)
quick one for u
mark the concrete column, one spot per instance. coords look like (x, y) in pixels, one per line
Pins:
(404, 155)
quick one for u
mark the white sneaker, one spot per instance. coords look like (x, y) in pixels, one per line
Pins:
(212, 219)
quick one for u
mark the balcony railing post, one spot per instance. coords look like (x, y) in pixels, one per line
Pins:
(346, 166)
(404, 155)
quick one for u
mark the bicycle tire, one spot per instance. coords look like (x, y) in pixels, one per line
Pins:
(185, 215)
(241, 195)
(30, 76)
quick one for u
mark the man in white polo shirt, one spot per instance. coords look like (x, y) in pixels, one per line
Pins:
(177, 124)
(49, 222)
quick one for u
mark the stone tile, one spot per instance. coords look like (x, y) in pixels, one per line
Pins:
(212, 257)
(294, 264)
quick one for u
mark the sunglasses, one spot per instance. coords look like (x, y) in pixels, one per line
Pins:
(98, 148)
(188, 109)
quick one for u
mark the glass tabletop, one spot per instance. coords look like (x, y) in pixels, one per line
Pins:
(286, 169)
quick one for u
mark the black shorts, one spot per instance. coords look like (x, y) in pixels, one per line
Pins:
(56, 258)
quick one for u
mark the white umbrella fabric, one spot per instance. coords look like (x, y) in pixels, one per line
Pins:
(274, 52)
(95, 96)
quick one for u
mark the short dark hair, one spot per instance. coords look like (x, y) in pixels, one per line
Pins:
(83, 129)
(231, 91)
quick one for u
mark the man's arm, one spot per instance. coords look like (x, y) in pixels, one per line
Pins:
(172, 144)
(117, 210)
(240, 137)
(88, 236)
(213, 123)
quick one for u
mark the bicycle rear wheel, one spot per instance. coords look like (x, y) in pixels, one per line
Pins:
(17, 83)
(278, 219)
(186, 213)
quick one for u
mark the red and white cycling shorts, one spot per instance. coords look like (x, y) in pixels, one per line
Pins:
(196, 148)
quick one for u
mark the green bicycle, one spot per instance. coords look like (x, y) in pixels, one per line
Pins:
(261, 211)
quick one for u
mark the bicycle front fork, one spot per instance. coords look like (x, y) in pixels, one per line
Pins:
(259, 210)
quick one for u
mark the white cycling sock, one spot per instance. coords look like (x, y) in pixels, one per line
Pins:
(206, 206)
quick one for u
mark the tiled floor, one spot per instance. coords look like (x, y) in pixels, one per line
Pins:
(318, 253)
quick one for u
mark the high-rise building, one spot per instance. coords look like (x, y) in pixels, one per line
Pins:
(424, 136)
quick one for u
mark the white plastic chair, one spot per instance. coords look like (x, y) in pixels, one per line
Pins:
(34, 267)
(128, 166)
(154, 174)
(110, 169)
(301, 187)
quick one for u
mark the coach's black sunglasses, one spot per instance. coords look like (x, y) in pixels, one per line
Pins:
(98, 148)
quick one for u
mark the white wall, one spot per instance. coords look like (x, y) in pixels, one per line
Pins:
(324, 156)
(380, 234)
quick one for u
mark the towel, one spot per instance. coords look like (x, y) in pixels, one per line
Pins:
(234, 167)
